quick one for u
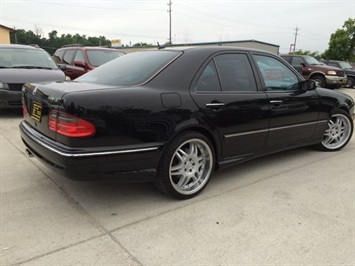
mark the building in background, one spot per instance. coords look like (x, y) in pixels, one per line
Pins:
(273, 48)
(5, 34)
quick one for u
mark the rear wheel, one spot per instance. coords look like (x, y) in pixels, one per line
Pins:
(320, 80)
(338, 133)
(186, 166)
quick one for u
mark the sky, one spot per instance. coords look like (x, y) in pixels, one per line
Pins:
(192, 21)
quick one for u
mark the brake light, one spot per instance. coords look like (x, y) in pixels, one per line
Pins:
(69, 125)
(24, 110)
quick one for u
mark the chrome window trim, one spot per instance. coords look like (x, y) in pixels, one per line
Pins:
(273, 129)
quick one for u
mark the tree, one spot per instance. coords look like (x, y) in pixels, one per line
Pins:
(54, 41)
(342, 43)
(306, 52)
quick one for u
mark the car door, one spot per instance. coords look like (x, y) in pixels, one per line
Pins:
(293, 111)
(69, 58)
(226, 92)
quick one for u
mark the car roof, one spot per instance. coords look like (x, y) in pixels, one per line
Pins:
(87, 48)
(19, 46)
(214, 48)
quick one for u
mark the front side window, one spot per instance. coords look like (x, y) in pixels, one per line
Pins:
(276, 75)
(312, 61)
(297, 61)
(131, 69)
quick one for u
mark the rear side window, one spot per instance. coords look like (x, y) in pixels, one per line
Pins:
(58, 56)
(68, 57)
(227, 72)
(131, 69)
(235, 72)
(208, 80)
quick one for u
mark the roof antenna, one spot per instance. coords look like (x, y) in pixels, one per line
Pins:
(160, 47)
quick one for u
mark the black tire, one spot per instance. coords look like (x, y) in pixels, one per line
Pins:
(320, 80)
(339, 132)
(186, 165)
(351, 82)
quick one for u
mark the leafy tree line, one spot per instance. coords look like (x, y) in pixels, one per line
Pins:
(54, 41)
(341, 44)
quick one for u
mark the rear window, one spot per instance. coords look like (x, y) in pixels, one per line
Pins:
(131, 69)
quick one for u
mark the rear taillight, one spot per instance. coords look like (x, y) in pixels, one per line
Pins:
(68, 125)
(24, 110)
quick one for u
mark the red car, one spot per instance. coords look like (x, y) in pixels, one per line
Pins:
(81, 59)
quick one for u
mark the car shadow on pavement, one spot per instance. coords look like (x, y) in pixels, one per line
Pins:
(15, 113)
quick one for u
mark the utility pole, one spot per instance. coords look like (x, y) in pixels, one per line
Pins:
(169, 10)
(296, 33)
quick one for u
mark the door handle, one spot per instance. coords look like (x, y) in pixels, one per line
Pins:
(214, 105)
(276, 102)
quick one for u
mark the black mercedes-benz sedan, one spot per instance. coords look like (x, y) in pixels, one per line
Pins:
(173, 116)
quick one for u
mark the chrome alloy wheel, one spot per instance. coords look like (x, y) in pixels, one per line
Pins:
(191, 166)
(338, 132)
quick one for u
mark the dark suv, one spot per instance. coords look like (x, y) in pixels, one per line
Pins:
(311, 68)
(80, 59)
(348, 69)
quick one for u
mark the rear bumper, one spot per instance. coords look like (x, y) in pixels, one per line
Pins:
(122, 164)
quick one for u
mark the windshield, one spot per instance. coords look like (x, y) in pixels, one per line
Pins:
(345, 65)
(312, 61)
(131, 69)
(25, 58)
(100, 57)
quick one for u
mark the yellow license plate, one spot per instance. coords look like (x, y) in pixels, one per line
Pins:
(36, 113)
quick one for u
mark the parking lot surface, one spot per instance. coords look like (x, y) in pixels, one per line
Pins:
(294, 207)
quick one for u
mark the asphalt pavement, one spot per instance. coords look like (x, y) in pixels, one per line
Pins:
(294, 207)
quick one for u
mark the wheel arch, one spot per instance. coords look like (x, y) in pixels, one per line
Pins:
(318, 73)
(212, 137)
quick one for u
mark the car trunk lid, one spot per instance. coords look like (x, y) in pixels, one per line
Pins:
(39, 99)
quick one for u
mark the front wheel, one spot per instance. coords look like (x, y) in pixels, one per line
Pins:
(338, 133)
(186, 166)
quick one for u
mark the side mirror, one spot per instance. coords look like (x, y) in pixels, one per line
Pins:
(308, 85)
(79, 63)
(303, 64)
(62, 67)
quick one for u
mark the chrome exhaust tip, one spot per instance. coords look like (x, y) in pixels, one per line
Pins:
(29, 153)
